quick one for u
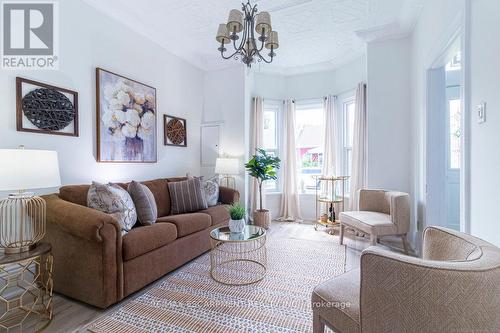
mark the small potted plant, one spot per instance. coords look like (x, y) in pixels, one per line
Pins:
(262, 167)
(237, 221)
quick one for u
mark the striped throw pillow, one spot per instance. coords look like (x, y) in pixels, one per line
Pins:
(187, 196)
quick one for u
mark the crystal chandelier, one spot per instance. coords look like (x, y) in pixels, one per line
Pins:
(247, 23)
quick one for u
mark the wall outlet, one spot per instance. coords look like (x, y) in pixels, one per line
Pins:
(481, 112)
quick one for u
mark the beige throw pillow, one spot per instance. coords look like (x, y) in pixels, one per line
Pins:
(114, 200)
(187, 196)
(144, 202)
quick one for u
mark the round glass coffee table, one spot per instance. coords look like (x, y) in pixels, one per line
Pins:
(238, 258)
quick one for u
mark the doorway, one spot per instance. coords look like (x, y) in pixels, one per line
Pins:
(444, 130)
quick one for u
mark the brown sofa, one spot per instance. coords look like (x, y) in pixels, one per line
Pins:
(93, 263)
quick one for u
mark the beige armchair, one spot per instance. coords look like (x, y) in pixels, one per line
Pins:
(380, 213)
(455, 287)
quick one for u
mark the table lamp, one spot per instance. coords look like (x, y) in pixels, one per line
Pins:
(226, 168)
(22, 214)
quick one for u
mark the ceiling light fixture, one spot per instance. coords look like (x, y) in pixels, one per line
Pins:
(246, 22)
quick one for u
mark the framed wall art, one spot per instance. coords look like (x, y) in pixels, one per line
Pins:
(126, 119)
(42, 108)
(174, 131)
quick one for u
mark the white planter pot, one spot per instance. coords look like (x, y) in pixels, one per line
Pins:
(236, 226)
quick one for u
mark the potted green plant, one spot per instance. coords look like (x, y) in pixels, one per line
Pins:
(262, 166)
(237, 221)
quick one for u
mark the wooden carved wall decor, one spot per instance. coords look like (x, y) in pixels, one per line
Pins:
(42, 108)
(175, 131)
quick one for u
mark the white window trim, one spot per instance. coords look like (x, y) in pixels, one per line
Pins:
(276, 106)
(347, 99)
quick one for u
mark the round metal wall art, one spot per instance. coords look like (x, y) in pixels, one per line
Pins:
(48, 109)
(176, 132)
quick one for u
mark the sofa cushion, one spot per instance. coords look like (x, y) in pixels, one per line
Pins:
(337, 302)
(144, 202)
(188, 223)
(76, 194)
(147, 238)
(369, 222)
(187, 196)
(219, 214)
(113, 199)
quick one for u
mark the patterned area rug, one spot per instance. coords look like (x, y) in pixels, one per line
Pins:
(189, 300)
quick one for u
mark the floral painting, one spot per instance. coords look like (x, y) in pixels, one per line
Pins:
(126, 118)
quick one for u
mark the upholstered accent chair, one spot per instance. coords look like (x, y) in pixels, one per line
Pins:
(455, 287)
(380, 213)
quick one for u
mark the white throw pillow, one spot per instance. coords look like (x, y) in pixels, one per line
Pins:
(211, 189)
(112, 199)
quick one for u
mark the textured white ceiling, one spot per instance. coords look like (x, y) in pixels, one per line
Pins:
(314, 34)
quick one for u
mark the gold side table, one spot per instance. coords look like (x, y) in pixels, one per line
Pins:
(26, 290)
(238, 258)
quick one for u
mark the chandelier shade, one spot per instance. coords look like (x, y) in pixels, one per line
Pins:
(263, 25)
(272, 42)
(247, 33)
(222, 34)
(235, 21)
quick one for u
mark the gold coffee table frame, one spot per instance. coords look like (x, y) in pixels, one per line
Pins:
(238, 258)
(26, 290)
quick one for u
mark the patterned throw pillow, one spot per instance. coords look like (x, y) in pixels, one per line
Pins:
(187, 196)
(144, 202)
(211, 188)
(114, 200)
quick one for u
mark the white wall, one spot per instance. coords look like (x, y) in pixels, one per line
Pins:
(388, 114)
(320, 84)
(225, 101)
(485, 159)
(89, 39)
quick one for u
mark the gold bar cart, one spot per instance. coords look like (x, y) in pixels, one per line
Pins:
(330, 192)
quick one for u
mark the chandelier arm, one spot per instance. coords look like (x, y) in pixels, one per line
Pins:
(229, 57)
(248, 11)
(254, 39)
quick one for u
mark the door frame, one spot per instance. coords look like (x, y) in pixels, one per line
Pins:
(460, 28)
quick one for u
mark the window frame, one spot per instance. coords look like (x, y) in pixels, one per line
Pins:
(345, 149)
(275, 106)
(308, 104)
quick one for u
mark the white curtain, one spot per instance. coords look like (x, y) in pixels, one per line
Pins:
(256, 142)
(290, 204)
(359, 147)
(330, 140)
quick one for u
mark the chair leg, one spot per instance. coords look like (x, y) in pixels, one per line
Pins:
(373, 239)
(405, 243)
(318, 325)
(341, 234)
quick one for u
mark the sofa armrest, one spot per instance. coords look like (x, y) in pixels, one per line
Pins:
(403, 288)
(87, 250)
(228, 196)
(77, 220)
(400, 211)
(446, 244)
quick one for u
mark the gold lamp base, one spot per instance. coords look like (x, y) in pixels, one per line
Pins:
(229, 180)
(22, 222)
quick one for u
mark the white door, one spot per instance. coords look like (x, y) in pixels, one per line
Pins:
(210, 144)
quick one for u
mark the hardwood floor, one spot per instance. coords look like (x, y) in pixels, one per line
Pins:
(73, 316)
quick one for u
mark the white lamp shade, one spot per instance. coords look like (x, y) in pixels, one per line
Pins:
(26, 169)
(227, 166)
